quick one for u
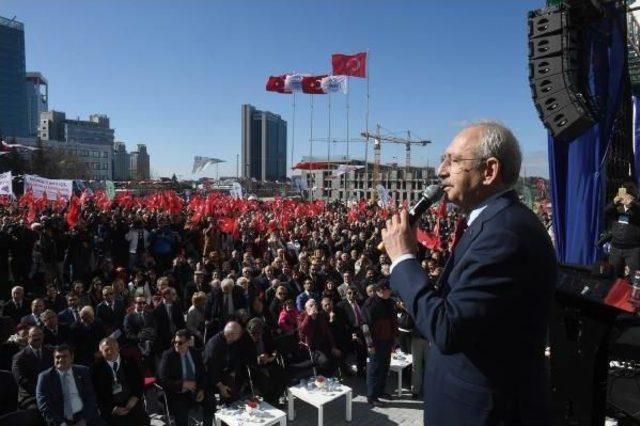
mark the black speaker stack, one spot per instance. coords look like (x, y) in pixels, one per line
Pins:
(558, 71)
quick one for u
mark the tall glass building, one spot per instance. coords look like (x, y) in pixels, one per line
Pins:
(264, 145)
(13, 90)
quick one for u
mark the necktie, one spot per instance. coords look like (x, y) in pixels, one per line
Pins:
(189, 373)
(356, 310)
(38, 354)
(75, 315)
(66, 393)
(115, 371)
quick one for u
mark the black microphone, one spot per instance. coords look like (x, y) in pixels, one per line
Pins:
(432, 194)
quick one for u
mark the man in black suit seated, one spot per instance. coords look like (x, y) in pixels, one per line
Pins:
(181, 374)
(140, 327)
(26, 366)
(222, 303)
(119, 384)
(65, 393)
(168, 317)
(54, 333)
(17, 307)
(353, 312)
(71, 314)
(85, 336)
(37, 307)
(226, 357)
(110, 311)
(269, 378)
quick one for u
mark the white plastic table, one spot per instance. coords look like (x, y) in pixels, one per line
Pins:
(398, 365)
(318, 398)
(266, 415)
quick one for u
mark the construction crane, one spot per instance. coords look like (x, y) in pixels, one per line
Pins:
(378, 138)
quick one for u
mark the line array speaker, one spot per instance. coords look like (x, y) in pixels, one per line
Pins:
(556, 73)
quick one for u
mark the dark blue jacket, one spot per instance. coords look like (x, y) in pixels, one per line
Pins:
(51, 401)
(486, 320)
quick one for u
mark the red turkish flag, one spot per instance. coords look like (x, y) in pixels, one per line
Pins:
(276, 84)
(352, 65)
(313, 85)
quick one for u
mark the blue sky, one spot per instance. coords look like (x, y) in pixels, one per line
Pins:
(174, 74)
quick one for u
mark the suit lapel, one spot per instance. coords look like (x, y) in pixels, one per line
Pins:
(472, 232)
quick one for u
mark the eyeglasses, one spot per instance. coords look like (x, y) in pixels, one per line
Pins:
(180, 342)
(447, 161)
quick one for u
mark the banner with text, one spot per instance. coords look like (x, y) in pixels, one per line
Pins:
(53, 187)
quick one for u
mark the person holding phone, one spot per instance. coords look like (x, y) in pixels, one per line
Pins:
(624, 214)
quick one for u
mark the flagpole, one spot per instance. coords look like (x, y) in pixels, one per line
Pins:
(293, 130)
(329, 148)
(344, 192)
(311, 149)
(366, 125)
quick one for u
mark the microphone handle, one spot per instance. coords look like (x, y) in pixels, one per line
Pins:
(414, 213)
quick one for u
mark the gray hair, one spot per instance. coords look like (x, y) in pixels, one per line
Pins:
(498, 141)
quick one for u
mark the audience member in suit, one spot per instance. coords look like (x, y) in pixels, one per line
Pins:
(54, 333)
(53, 300)
(85, 336)
(339, 327)
(226, 358)
(487, 316)
(307, 294)
(71, 313)
(269, 378)
(168, 317)
(140, 326)
(222, 303)
(110, 311)
(37, 308)
(314, 332)
(119, 384)
(17, 307)
(27, 364)
(195, 316)
(181, 373)
(65, 393)
(195, 286)
(353, 312)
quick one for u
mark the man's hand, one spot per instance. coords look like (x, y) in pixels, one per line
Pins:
(189, 385)
(120, 411)
(398, 236)
(262, 359)
(200, 396)
(225, 391)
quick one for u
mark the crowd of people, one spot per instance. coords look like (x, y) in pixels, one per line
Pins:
(132, 292)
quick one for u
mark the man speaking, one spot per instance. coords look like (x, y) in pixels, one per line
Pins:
(486, 317)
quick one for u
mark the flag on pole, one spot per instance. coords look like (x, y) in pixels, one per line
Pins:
(293, 83)
(276, 84)
(334, 84)
(351, 65)
(313, 85)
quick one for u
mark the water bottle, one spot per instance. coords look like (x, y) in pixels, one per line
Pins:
(634, 297)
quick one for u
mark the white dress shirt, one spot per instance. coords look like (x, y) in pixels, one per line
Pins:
(71, 390)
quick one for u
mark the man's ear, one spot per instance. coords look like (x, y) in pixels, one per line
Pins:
(492, 171)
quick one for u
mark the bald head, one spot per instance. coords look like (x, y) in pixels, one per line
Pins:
(232, 331)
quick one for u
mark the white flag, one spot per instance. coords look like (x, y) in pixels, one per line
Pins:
(293, 82)
(383, 194)
(334, 84)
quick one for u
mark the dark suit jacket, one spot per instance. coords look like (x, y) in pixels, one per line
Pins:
(170, 371)
(85, 340)
(51, 401)
(66, 316)
(213, 308)
(350, 315)
(9, 309)
(25, 369)
(129, 374)
(163, 324)
(134, 324)
(31, 320)
(487, 323)
(111, 318)
(52, 340)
